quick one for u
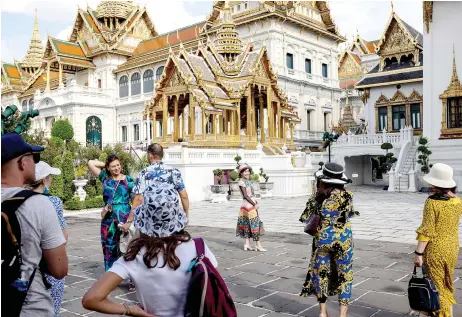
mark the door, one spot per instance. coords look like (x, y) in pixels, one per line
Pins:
(94, 131)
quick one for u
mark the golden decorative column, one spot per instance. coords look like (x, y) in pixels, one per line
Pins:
(164, 117)
(262, 119)
(238, 121)
(225, 121)
(269, 110)
(248, 130)
(183, 125)
(204, 123)
(192, 118)
(232, 125)
(48, 76)
(284, 130)
(176, 122)
(154, 125)
(60, 74)
(291, 125)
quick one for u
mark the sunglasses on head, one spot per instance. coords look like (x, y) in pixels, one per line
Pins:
(35, 155)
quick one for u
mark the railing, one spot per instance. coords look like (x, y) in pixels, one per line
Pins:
(404, 135)
(217, 156)
(308, 135)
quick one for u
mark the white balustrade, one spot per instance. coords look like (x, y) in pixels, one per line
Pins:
(308, 135)
(350, 139)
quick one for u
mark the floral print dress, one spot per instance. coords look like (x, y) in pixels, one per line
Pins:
(57, 286)
(330, 272)
(248, 222)
(117, 194)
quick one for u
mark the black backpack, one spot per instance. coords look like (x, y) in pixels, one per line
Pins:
(422, 293)
(11, 255)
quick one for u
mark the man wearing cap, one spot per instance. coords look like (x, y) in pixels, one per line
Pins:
(41, 235)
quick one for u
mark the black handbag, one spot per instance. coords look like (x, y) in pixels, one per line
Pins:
(311, 224)
(422, 293)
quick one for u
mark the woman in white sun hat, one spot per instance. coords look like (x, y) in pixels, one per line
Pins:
(43, 179)
(438, 235)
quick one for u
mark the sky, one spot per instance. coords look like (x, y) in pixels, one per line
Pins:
(56, 18)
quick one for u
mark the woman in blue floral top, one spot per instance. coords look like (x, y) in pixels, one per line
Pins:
(43, 176)
(117, 193)
(330, 272)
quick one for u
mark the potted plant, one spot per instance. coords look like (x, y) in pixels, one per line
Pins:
(386, 161)
(424, 157)
(265, 185)
(255, 178)
(220, 188)
(237, 159)
(235, 192)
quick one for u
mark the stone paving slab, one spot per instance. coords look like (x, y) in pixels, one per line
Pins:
(263, 284)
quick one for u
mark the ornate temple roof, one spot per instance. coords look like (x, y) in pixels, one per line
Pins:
(35, 52)
(219, 79)
(400, 51)
(286, 10)
(107, 28)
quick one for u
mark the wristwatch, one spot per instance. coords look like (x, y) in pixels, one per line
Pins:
(418, 253)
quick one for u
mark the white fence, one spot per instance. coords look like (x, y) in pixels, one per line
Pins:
(350, 139)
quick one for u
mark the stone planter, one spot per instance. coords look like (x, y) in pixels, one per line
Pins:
(267, 186)
(266, 189)
(79, 183)
(256, 189)
(235, 191)
(219, 189)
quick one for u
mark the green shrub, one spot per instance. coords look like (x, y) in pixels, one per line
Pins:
(62, 129)
(424, 155)
(74, 204)
(219, 174)
(57, 186)
(91, 190)
(255, 177)
(73, 146)
(102, 157)
(233, 176)
(53, 148)
(68, 173)
(95, 202)
(125, 157)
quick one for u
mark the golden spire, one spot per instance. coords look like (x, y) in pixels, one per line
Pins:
(33, 59)
(228, 42)
(454, 79)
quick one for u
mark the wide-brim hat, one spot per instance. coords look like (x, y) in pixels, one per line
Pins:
(441, 176)
(332, 173)
(243, 167)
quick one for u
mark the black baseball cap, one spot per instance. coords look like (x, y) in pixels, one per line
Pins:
(13, 145)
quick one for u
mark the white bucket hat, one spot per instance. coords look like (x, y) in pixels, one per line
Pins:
(43, 169)
(440, 176)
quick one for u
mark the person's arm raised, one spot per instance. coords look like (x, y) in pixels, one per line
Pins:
(95, 167)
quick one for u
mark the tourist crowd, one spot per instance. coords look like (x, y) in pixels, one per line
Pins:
(145, 242)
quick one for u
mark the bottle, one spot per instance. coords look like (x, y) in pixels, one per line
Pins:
(22, 284)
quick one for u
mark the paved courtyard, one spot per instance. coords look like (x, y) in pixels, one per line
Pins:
(263, 284)
(391, 217)
(268, 284)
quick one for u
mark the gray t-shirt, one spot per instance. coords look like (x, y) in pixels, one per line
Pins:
(40, 230)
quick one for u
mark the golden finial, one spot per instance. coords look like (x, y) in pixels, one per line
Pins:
(392, 7)
(455, 78)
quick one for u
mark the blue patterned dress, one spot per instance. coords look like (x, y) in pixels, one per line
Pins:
(330, 272)
(117, 194)
(57, 286)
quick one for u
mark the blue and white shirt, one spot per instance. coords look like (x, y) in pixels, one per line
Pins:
(155, 172)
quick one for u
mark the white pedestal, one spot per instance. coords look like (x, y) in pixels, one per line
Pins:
(79, 183)
(219, 198)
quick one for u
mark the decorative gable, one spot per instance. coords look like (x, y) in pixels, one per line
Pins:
(350, 66)
(398, 97)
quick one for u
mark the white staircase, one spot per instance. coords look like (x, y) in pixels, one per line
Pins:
(410, 161)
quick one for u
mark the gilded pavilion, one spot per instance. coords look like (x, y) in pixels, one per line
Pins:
(236, 90)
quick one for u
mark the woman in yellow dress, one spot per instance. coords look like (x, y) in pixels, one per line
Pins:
(438, 236)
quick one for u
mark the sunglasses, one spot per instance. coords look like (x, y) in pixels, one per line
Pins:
(36, 156)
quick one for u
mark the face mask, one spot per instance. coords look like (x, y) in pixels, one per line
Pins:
(46, 190)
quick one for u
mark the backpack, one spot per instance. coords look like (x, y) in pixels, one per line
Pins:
(208, 295)
(14, 286)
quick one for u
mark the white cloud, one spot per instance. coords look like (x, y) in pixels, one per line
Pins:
(65, 33)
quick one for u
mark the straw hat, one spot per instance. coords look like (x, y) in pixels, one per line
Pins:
(440, 176)
(243, 167)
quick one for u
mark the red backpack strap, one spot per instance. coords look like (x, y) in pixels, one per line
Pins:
(200, 246)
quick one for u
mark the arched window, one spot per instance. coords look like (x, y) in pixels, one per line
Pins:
(123, 86)
(135, 83)
(31, 104)
(159, 72)
(148, 81)
(24, 105)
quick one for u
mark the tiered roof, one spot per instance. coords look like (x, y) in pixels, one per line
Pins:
(398, 39)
